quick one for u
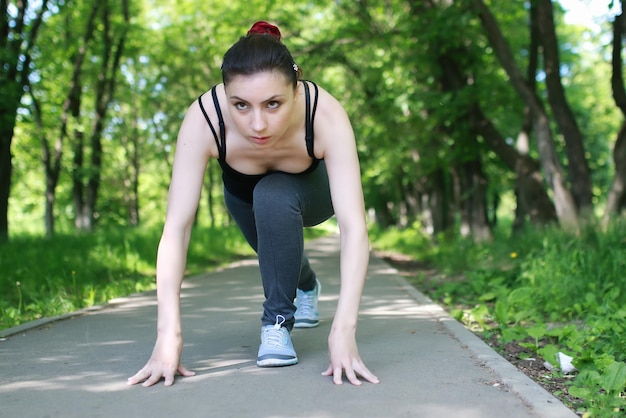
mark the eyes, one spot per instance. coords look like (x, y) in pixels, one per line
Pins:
(243, 106)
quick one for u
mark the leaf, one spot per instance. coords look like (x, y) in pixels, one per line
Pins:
(532, 346)
(548, 353)
(521, 295)
(501, 312)
(513, 334)
(581, 393)
(537, 331)
(614, 378)
(488, 296)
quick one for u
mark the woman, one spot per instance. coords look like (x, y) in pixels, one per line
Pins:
(289, 160)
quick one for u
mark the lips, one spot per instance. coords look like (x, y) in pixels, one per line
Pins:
(260, 139)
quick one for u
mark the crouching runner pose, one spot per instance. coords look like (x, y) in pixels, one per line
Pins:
(289, 160)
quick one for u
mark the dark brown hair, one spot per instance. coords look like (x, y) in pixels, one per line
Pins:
(260, 50)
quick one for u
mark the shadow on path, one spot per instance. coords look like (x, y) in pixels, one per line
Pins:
(429, 365)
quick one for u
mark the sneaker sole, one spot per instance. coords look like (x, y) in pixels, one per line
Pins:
(276, 362)
(304, 323)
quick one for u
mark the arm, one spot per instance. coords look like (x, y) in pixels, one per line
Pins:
(193, 150)
(334, 131)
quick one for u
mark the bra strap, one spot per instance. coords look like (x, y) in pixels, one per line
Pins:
(206, 116)
(220, 118)
(310, 117)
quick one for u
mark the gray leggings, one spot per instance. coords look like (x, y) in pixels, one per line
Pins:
(283, 204)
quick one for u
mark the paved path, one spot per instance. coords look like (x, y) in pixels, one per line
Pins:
(429, 364)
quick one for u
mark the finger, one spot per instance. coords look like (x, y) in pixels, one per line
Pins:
(185, 372)
(140, 376)
(337, 375)
(169, 379)
(366, 374)
(352, 376)
(328, 371)
(152, 380)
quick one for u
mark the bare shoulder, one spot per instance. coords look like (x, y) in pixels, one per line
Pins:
(206, 103)
(328, 105)
(196, 127)
(332, 124)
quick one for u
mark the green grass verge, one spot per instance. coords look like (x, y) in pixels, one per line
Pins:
(45, 277)
(548, 290)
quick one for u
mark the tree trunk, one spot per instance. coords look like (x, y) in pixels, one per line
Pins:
(553, 171)
(17, 41)
(77, 178)
(578, 167)
(130, 142)
(617, 193)
(8, 110)
(522, 144)
(71, 107)
(473, 202)
(533, 199)
(412, 192)
(52, 166)
(104, 95)
(436, 202)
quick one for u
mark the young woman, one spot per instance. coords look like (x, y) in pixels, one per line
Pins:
(289, 160)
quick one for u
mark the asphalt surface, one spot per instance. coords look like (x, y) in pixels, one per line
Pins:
(429, 364)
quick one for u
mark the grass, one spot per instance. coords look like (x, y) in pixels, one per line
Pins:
(547, 290)
(49, 277)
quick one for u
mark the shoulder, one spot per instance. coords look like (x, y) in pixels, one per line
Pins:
(205, 104)
(332, 123)
(326, 102)
(330, 111)
(196, 128)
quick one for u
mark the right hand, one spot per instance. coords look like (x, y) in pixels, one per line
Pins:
(164, 363)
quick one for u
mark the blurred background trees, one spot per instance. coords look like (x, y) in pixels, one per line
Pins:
(467, 112)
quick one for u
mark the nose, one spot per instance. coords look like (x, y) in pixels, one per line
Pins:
(258, 121)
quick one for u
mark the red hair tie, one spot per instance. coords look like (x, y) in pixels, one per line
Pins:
(263, 28)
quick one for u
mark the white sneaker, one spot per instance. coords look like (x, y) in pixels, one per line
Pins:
(307, 315)
(276, 348)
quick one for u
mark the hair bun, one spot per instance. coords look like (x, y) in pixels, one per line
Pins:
(263, 28)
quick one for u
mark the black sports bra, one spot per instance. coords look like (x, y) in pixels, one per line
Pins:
(240, 184)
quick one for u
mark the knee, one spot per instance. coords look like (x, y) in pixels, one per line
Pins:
(275, 196)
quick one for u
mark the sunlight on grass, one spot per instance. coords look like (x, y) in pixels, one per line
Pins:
(49, 277)
(546, 290)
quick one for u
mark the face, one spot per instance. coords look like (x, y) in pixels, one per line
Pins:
(261, 106)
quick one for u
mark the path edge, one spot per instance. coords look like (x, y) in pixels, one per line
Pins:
(538, 399)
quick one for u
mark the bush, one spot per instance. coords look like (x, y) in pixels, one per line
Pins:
(545, 289)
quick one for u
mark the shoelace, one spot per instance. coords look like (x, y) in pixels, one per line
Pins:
(305, 302)
(274, 336)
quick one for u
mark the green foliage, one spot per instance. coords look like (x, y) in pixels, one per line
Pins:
(546, 290)
(48, 277)
(386, 61)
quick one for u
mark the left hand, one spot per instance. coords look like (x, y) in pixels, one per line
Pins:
(344, 356)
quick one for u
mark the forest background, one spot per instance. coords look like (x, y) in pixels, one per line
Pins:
(491, 134)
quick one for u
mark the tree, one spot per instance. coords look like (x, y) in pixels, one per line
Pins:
(19, 27)
(578, 168)
(550, 162)
(70, 109)
(616, 199)
(447, 102)
(112, 48)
